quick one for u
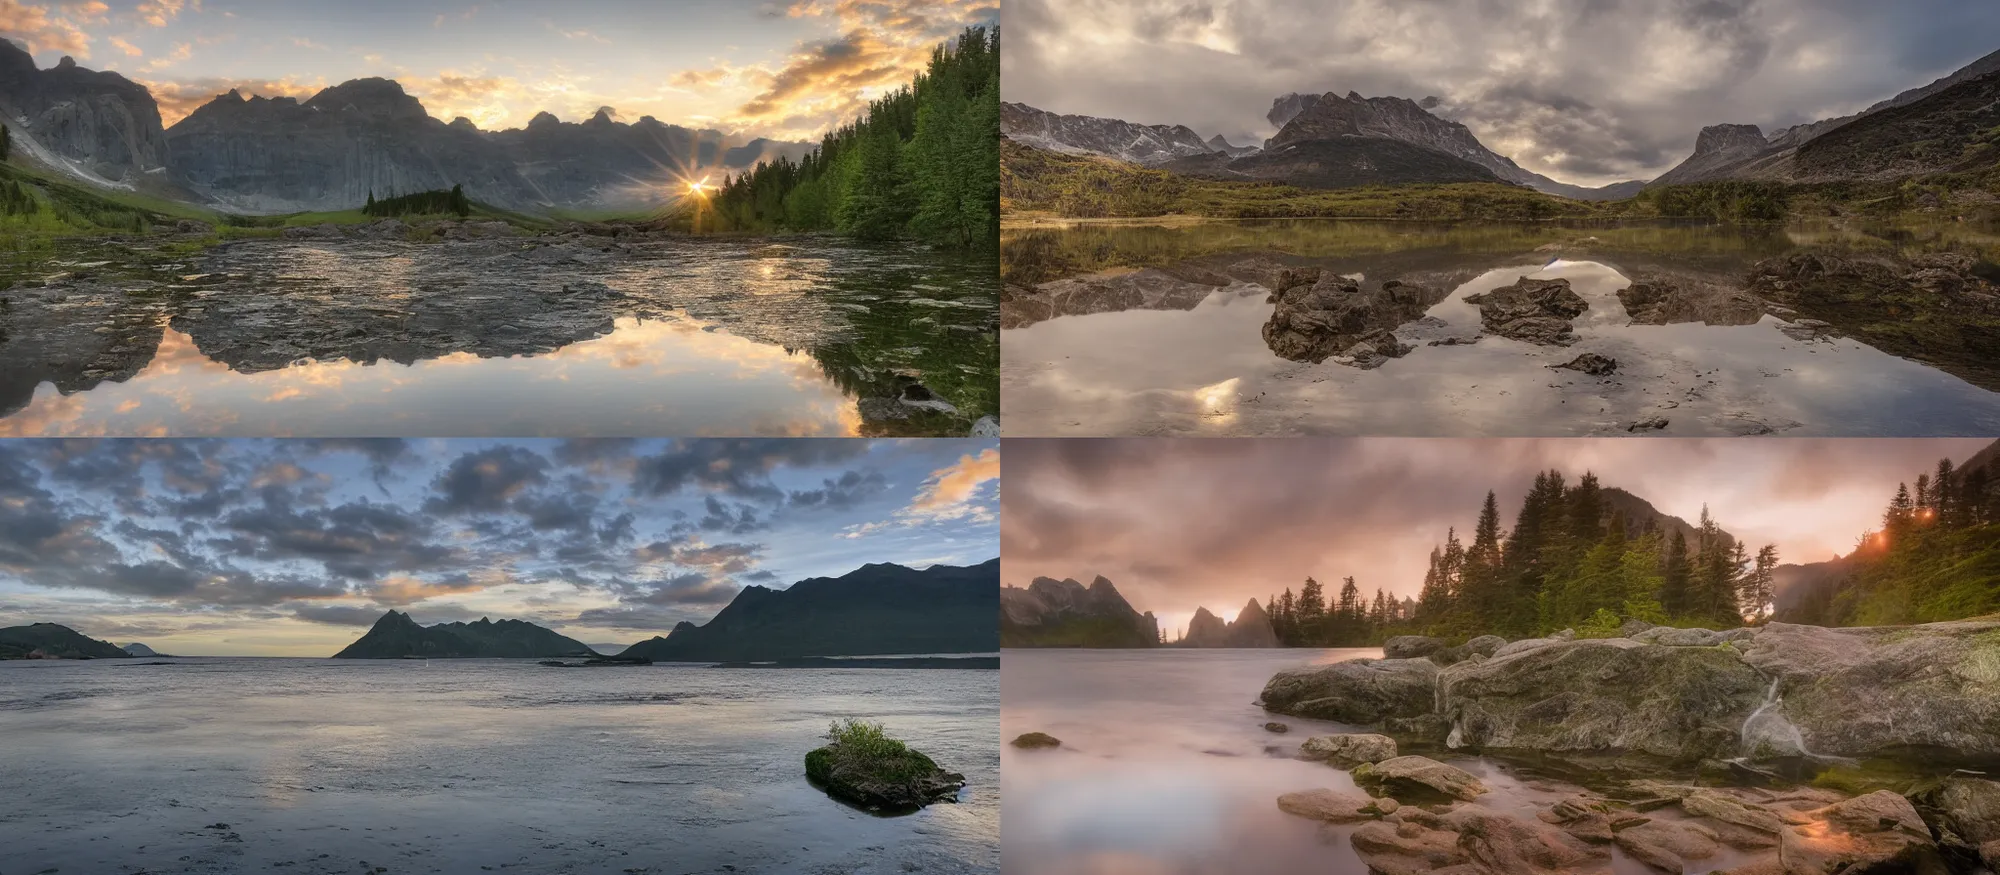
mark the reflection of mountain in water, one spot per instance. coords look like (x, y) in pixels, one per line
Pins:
(1941, 308)
(880, 320)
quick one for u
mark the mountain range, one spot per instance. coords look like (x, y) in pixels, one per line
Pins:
(53, 641)
(1065, 613)
(1342, 141)
(330, 151)
(1943, 115)
(875, 610)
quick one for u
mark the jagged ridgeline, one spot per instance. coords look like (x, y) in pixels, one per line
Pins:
(922, 164)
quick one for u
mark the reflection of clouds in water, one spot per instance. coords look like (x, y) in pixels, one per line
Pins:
(1141, 371)
(644, 376)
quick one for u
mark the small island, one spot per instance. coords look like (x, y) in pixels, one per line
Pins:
(863, 766)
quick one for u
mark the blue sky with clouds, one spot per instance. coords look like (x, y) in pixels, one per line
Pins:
(781, 68)
(292, 547)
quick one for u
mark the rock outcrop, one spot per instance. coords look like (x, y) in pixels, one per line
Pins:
(1685, 694)
(1532, 311)
(888, 782)
(1330, 316)
(96, 124)
(1349, 749)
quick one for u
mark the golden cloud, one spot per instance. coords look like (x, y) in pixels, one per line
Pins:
(402, 589)
(948, 492)
(43, 31)
(128, 48)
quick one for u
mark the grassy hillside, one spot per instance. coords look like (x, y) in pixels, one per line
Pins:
(1036, 182)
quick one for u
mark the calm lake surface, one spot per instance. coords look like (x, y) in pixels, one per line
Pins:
(1166, 768)
(567, 335)
(325, 766)
(1202, 367)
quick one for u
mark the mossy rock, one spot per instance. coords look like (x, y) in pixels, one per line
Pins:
(897, 782)
(1036, 740)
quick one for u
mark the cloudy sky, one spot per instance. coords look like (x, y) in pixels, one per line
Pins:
(1177, 524)
(785, 68)
(1585, 91)
(293, 547)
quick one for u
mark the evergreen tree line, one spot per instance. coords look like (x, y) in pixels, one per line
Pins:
(1570, 561)
(423, 203)
(16, 201)
(923, 163)
(1936, 557)
(1309, 620)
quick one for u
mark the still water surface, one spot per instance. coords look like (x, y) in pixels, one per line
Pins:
(343, 766)
(542, 336)
(1208, 371)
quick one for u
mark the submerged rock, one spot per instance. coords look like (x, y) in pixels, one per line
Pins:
(1327, 805)
(1333, 316)
(1591, 363)
(1035, 740)
(1532, 311)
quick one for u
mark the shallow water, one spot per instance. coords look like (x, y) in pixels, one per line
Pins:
(1166, 768)
(325, 766)
(1208, 371)
(541, 336)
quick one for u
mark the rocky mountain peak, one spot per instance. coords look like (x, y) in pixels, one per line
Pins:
(67, 63)
(1089, 135)
(373, 96)
(604, 116)
(1288, 107)
(543, 119)
(1727, 138)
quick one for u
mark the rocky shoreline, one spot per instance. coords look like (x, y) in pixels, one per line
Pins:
(1786, 749)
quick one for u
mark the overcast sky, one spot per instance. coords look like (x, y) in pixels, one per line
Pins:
(1585, 91)
(294, 547)
(776, 67)
(1181, 523)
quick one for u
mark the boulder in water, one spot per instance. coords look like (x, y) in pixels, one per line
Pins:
(1327, 805)
(1415, 778)
(1360, 691)
(1349, 749)
(1532, 311)
(1035, 740)
(862, 766)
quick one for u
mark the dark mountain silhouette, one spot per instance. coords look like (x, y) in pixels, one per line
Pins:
(54, 641)
(1065, 613)
(1251, 628)
(395, 635)
(875, 610)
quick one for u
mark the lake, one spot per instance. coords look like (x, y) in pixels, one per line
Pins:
(555, 335)
(448, 766)
(1166, 336)
(1167, 769)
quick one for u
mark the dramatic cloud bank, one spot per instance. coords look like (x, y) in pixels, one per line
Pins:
(284, 546)
(1585, 91)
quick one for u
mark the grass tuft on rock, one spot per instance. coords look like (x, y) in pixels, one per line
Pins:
(862, 765)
